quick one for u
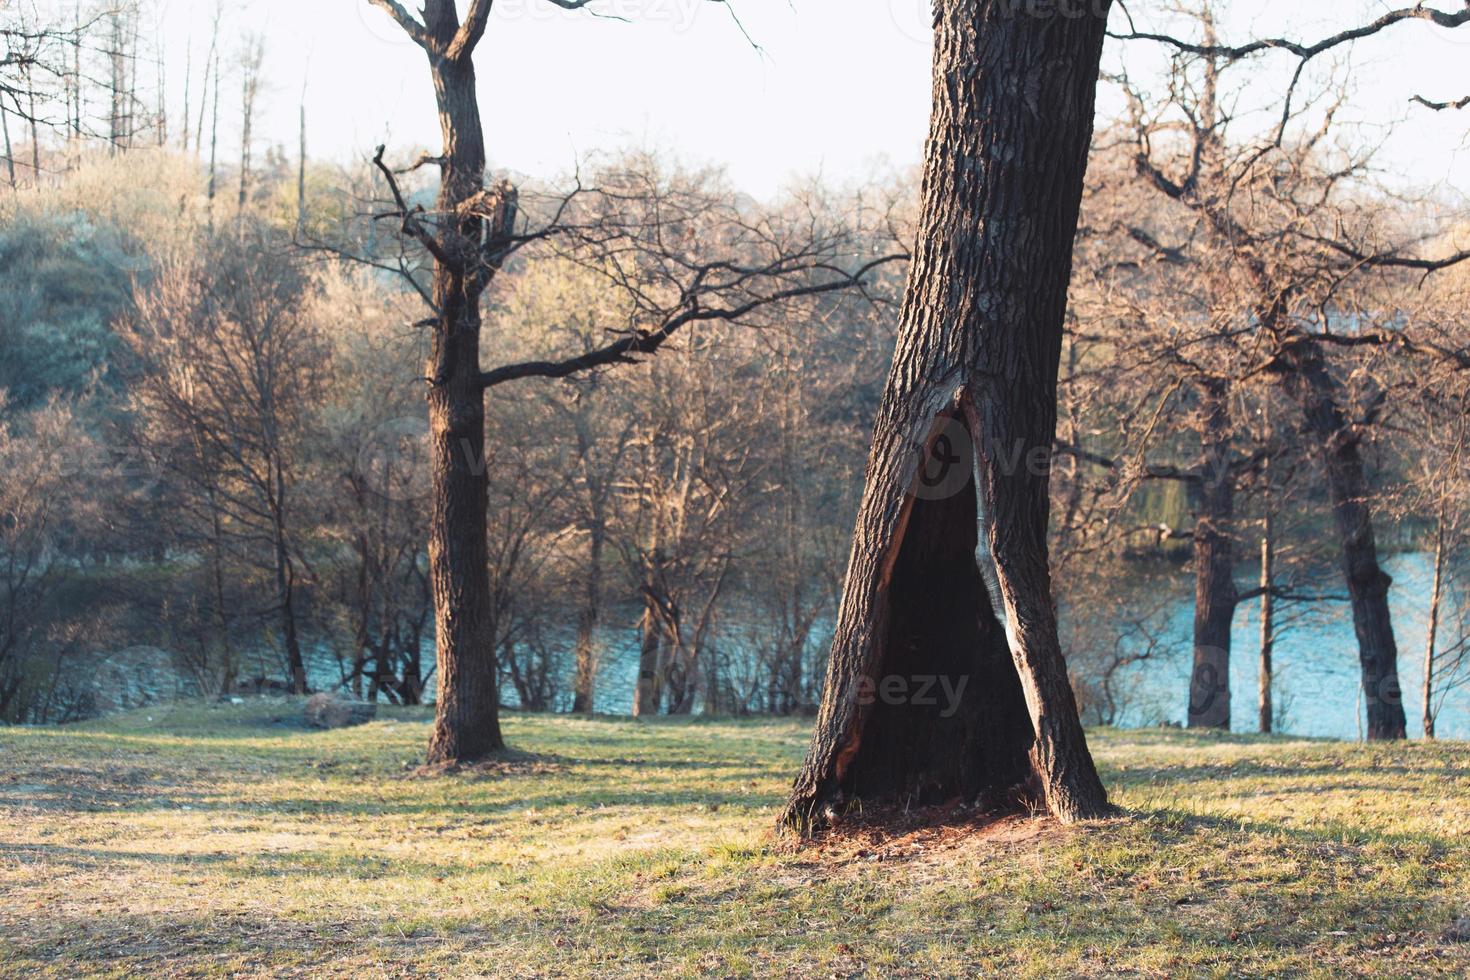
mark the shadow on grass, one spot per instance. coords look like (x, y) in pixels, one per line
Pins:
(1328, 837)
(1205, 773)
(498, 788)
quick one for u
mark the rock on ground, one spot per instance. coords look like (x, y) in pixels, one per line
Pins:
(337, 711)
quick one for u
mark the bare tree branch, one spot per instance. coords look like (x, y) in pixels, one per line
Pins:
(405, 20)
(587, 6)
(1441, 106)
(1303, 51)
(470, 31)
(1389, 260)
(409, 216)
(649, 341)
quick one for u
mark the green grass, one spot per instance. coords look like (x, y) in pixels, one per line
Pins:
(214, 841)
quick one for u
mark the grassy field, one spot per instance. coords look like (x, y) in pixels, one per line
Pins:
(223, 841)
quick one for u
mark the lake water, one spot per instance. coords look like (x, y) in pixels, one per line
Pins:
(1317, 684)
(1317, 689)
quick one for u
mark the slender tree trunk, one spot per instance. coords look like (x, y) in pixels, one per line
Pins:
(695, 650)
(9, 153)
(301, 173)
(1215, 595)
(188, 80)
(595, 484)
(681, 681)
(1312, 387)
(586, 653)
(949, 576)
(214, 145)
(676, 666)
(295, 663)
(228, 674)
(130, 106)
(210, 62)
(1268, 626)
(286, 588)
(467, 715)
(250, 77)
(35, 132)
(75, 121)
(1266, 702)
(1072, 502)
(411, 688)
(115, 123)
(784, 688)
(1436, 597)
(648, 696)
(161, 123)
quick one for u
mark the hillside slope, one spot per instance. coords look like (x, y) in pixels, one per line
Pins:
(199, 840)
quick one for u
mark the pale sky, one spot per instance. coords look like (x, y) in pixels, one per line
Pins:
(841, 88)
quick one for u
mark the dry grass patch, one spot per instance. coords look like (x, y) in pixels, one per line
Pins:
(208, 841)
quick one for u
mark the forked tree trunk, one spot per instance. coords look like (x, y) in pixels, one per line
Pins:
(1313, 388)
(1215, 595)
(946, 678)
(467, 715)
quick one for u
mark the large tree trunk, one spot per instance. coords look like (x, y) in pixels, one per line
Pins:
(467, 719)
(948, 577)
(1307, 380)
(1215, 595)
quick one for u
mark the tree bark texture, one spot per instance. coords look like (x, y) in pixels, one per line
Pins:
(949, 574)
